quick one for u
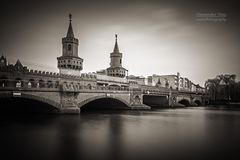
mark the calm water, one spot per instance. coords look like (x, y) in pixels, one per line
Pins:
(188, 133)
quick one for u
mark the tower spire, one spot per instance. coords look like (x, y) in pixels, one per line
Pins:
(70, 30)
(116, 49)
(70, 17)
(70, 63)
(116, 69)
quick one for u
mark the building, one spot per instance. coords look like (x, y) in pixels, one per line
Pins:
(116, 69)
(168, 81)
(174, 82)
(69, 63)
(3, 61)
(139, 79)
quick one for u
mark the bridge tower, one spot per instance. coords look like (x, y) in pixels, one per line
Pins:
(116, 69)
(3, 61)
(69, 63)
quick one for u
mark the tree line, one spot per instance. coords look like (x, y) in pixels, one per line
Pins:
(223, 89)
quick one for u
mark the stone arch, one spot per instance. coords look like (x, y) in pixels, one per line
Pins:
(19, 82)
(184, 102)
(41, 83)
(49, 84)
(56, 85)
(103, 97)
(52, 103)
(32, 82)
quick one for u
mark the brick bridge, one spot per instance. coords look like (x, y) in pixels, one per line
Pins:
(68, 91)
(68, 94)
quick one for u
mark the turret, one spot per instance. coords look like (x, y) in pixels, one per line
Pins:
(3, 61)
(70, 63)
(116, 69)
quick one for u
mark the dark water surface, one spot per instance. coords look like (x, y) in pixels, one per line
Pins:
(187, 133)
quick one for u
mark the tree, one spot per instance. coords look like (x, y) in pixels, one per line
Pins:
(226, 83)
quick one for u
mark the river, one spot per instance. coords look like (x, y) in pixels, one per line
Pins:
(184, 133)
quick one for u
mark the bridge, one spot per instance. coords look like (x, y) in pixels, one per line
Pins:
(69, 93)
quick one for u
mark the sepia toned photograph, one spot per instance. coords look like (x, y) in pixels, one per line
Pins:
(120, 80)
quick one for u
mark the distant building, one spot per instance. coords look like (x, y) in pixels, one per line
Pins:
(116, 69)
(174, 82)
(69, 63)
(168, 81)
(138, 79)
(5, 66)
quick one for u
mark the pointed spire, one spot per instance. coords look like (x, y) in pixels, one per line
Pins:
(116, 50)
(70, 30)
(18, 64)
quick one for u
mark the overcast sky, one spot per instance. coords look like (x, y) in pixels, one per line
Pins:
(155, 37)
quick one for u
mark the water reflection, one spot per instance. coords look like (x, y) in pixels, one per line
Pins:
(189, 133)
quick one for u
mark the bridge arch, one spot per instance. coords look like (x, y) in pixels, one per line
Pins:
(53, 106)
(31, 83)
(184, 102)
(105, 100)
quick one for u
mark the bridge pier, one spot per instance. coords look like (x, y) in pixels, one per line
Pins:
(140, 107)
(136, 101)
(70, 110)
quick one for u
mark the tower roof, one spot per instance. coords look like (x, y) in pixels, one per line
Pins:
(18, 65)
(70, 30)
(116, 49)
(2, 57)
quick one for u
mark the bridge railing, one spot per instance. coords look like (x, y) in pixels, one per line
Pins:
(71, 87)
(50, 85)
(77, 88)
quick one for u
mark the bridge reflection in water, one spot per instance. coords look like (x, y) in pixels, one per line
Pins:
(190, 133)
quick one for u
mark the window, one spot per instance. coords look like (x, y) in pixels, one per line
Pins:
(69, 47)
(120, 61)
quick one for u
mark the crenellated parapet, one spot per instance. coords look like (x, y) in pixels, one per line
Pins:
(42, 73)
(19, 76)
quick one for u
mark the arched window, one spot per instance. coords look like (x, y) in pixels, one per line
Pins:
(32, 83)
(69, 47)
(41, 83)
(49, 84)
